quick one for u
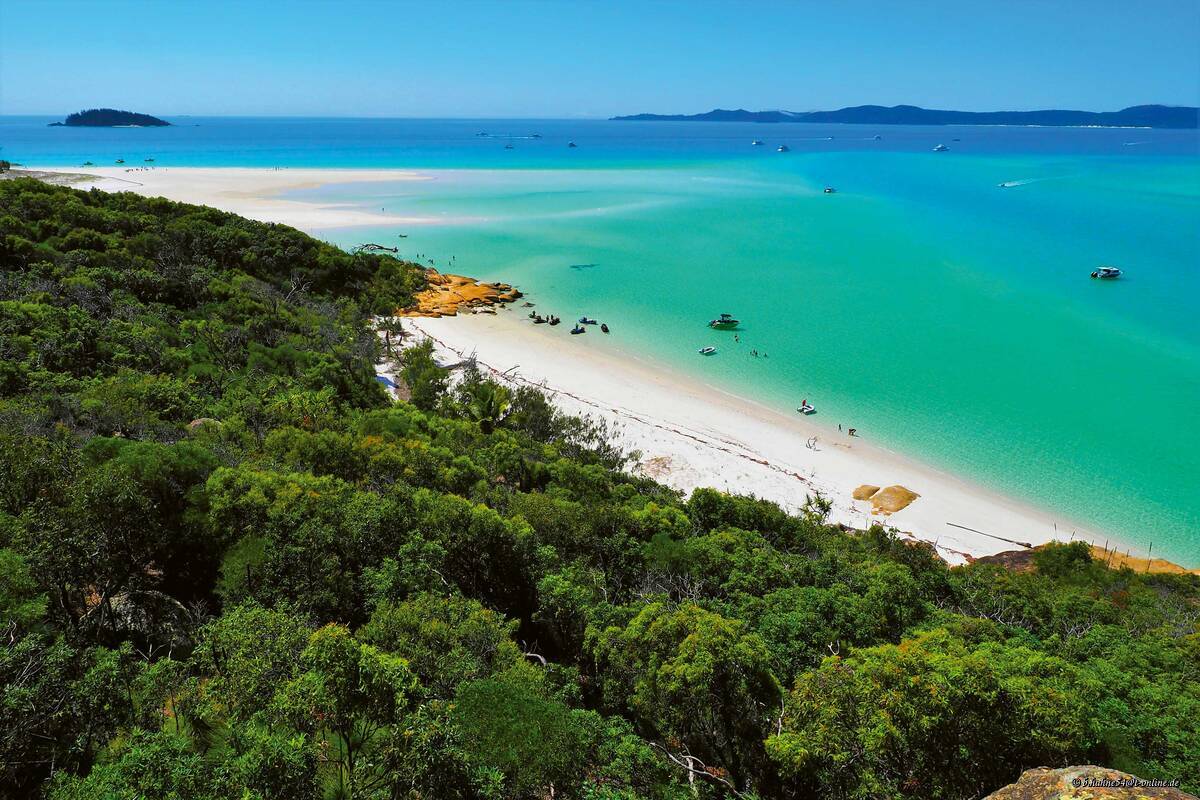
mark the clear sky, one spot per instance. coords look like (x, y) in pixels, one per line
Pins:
(513, 58)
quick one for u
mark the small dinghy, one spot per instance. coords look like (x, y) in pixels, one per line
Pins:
(604, 327)
(806, 408)
(578, 329)
(586, 321)
(707, 351)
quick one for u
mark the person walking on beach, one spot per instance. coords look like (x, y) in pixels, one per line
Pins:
(839, 427)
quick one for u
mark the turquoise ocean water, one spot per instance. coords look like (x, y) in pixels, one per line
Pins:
(942, 315)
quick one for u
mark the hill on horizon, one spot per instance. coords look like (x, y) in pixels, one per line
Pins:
(1144, 116)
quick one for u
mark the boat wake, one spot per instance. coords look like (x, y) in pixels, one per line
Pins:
(1027, 181)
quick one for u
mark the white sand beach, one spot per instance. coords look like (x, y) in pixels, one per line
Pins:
(689, 434)
(250, 192)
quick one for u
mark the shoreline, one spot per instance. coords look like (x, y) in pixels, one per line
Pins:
(252, 192)
(691, 434)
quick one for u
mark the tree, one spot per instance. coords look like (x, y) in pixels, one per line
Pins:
(425, 378)
(352, 695)
(930, 718)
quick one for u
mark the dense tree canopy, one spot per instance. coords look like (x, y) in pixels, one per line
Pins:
(232, 567)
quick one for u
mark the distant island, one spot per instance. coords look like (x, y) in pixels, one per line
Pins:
(109, 118)
(1152, 116)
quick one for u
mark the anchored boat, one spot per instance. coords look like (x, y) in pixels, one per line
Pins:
(1106, 272)
(707, 351)
(725, 322)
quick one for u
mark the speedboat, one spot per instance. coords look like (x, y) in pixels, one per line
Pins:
(757, 142)
(535, 136)
(508, 146)
(1106, 272)
(941, 148)
(148, 160)
(877, 138)
(725, 322)
(579, 329)
(830, 190)
(707, 351)
(783, 148)
(586, 321)
(120, 161)
(571, 144)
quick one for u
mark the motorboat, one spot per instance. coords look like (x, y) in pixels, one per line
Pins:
(1106, 272)
(877, 138)
(806, 408)
(604, 327)
(535, 136)
(830, 190)
(508, 146)
(555, 320)
(941, 148)
(148, 160)
(757, 142)
(783, 148)
(578, 329)
(725, 322)
(120, 161)
(571, 144)
(587, 321)
(707, 351)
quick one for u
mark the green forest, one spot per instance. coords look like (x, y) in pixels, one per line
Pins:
(232, 566)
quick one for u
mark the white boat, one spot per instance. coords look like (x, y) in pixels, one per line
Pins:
(707, 351)
(807, 408)
(757, 142)
(1106, 272)
(941, 148)
(830, 190)
(783, 148)
(725, 322)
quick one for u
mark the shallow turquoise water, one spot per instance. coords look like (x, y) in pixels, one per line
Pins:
(940, 314)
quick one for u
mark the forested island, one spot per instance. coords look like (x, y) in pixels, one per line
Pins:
(232, 566)
(109, 118)
(1148, 116)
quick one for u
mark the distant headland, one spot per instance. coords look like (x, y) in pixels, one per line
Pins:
(1152, 116)
(109, 118)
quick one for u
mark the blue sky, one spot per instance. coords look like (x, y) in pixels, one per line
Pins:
(510, 58)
